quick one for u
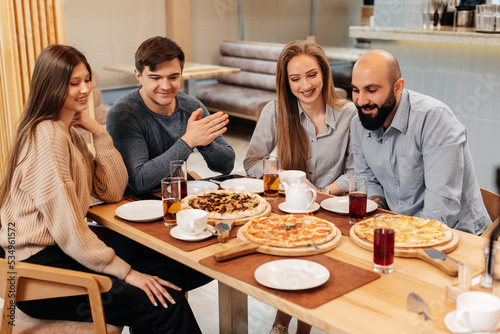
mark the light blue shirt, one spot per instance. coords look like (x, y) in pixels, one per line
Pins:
(330, 158)
(422, 164)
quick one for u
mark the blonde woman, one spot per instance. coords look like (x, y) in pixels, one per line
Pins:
(309, 123)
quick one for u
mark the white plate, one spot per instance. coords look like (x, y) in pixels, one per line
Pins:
(253, 185)
(291, 274)
(454, 327)
(197, 186)
(178, 234)
(312, 208)
(341, 205)
(141, 211)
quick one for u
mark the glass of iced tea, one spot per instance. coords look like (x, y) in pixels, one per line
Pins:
(357, 198)
(171, 197)
(178, 170)
(383, 243)
(271, 178)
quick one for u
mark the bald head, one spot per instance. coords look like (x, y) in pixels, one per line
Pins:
(381, 60)
(377, 88)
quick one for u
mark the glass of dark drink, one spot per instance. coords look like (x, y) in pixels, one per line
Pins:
(383, 243)
(178, 170)
(171, 198)
(271, 178)
(357, 198)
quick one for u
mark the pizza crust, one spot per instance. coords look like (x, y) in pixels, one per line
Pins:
(226, 203)
(411, 232)
(289, 231)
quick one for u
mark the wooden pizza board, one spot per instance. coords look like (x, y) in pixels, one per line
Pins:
(241, 221)
(447, 265)
(248, 247)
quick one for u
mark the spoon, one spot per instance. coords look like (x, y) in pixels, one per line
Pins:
(416, 304)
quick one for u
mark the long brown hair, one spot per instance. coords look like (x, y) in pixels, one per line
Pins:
(293, 142)
(48, 90)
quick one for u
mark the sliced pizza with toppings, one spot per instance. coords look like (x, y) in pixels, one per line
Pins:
(409, 231)
(226, 203)
(289, 230)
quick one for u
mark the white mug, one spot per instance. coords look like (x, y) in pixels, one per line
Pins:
(299, 196)
(478, 311)
(192, 221)
(292, 176)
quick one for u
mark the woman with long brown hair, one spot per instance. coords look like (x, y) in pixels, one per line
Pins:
(309, 123)
(45, 196)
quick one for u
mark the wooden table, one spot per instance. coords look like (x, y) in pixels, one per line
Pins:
(377, 307)
(191, 73)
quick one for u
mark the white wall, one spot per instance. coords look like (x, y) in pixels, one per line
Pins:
(109, 31)
(467, 79)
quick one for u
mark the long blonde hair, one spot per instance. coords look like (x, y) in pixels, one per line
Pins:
(293, 142)
(48, 90)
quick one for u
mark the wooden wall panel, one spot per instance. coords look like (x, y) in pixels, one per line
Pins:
(26, 27)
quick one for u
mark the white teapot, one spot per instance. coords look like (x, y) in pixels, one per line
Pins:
(299, 196)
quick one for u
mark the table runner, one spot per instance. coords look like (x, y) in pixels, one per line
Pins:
(341, 221)
(344, 277)
(158, 230)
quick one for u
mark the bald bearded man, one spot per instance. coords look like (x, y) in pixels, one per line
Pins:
(412, 149)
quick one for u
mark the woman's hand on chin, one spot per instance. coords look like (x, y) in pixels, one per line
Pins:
(84, 121)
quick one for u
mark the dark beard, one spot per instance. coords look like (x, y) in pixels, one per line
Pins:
(373, 123)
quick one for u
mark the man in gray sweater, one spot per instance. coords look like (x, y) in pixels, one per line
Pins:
(155, 124)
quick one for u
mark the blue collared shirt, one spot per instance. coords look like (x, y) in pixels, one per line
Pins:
(422, 164)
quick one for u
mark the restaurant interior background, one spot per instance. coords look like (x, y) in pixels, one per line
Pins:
(465, 75)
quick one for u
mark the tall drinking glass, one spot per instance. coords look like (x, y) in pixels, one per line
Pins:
(171, 197)
(383, 243)
(178, 170)
(271, 178)
(357, 198)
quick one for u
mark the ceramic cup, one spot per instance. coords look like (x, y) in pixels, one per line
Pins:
(478, 311)
(192, 221)
(292, 176)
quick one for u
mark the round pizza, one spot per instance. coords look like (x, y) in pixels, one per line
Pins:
(409, 231)
(289, 231)
(226, 203)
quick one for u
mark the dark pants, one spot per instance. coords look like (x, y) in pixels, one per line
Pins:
(124, 304)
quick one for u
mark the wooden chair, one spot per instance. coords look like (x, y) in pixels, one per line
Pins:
(34, 282)
(492, 204)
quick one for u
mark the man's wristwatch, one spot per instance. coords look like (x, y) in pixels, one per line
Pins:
(325, 190)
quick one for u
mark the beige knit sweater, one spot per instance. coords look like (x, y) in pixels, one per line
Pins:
(50, 196)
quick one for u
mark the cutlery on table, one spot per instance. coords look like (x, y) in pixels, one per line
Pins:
(316, 248)
(444, 264)
(416, 304)
(219, 228)
(438, 255)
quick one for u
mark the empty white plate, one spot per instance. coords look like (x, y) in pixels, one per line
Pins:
(253, 185)
(141, 211)
(291, 274)
(341, 205)
(197, 186)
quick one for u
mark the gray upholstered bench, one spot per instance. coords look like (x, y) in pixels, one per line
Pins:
(244, 94)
